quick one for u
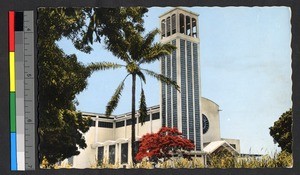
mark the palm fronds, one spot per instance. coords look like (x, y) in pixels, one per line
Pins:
(142, 76)
(113, 103)
(162, 78)
(149, 38)
(103, 66)
(156, 52)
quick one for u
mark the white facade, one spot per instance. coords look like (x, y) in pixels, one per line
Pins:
(109, 139)
(115, 131)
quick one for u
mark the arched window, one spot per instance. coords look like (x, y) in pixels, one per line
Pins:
(173, 24)
(188, 26)
(168, 26)
(181, 20)
(163, 28)
(194, 28)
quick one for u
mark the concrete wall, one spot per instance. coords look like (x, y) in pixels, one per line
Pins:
(87, 157)
(105, 134)
(235, 142)
(211, 110)
(156, 125)
(121, 133)
(149, 127)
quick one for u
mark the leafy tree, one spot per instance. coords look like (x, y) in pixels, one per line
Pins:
(108, 23)
(62, 77)
(135, 50)
(164, 144)
(281, 131)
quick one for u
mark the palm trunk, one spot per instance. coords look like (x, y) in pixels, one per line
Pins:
(133, 151)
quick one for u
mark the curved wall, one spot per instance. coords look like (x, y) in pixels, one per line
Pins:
(211, 110)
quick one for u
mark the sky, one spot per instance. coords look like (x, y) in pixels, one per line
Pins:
(245, 65)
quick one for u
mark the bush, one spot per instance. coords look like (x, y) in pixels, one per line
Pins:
(163, 145)
(226, 160)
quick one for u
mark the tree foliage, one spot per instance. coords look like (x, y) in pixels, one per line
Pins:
(167, 142)
(281, 131)
(143, 107)
(62, 77)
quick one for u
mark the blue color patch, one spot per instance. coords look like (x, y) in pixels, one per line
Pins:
(13, 151)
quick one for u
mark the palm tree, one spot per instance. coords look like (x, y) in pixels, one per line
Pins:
(135, 50)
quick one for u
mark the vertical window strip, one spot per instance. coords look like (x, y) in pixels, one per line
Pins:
(198, 134)
(197, 96)
(190, 91)
(169, 112)
(174, 78)
(183, 88)
(163, 93)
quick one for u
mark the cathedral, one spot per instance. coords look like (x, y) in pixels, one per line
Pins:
(109, 138)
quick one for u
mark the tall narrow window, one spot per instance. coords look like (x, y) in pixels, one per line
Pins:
(163, 28)
(194, 28)
(181, 20)
(173, 24)
(124, 152)
(188, 26)
(100, 154)
(112, 149)
(168, 26)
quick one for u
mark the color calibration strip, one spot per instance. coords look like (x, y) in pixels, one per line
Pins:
(21, 66)
(12, 92)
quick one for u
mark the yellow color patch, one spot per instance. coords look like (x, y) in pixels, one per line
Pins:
(12, 74)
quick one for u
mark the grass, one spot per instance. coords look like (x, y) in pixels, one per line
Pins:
(223, 160)
(217, 160)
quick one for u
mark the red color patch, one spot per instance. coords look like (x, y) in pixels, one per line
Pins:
(11, 31)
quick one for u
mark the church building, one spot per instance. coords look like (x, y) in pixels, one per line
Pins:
(109, 138)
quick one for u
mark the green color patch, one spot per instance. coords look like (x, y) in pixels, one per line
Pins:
(12, 111)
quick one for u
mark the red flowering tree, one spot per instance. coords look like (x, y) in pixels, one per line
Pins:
(166, 143)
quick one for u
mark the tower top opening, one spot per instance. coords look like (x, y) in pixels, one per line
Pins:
(179, 21)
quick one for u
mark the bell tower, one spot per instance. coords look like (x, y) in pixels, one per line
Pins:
(182, 109)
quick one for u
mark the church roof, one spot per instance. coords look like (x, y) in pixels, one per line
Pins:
(179, 8)
(213, 146)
